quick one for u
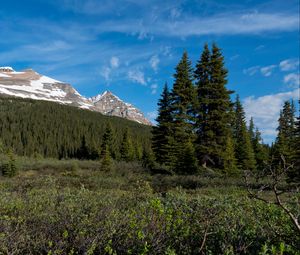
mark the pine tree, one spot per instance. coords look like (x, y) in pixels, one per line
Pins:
(261, 151)
(9, 168)
(182, 110)
(148, 159)
(230, 163)
(251, 130)
(162, 132)
(187, 162)
(126, 147)
(108, 141)
(213, 108)
(243, 147)
(106, 164)
(286, 129)
(294, 173)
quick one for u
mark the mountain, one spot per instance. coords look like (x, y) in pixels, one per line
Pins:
(109, 104)
(30, 84)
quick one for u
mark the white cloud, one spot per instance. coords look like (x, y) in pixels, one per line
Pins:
(289, 64)
(265, 111)
(152, 116)
(230, 23)
(114, 62)
(292, 80)
(267, 70)
(137, 76)
(154, 61)
(105, 73)
(251, 70)
(153, 89)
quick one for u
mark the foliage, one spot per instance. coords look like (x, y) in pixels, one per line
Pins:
(243, 147)
(32, 127)
(9, 167)
(119, 212)
(162, 132)
(214, 105)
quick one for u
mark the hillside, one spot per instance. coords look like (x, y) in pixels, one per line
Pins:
(33, 127)
(30, 84)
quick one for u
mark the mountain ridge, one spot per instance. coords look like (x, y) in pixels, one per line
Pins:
(30, 84)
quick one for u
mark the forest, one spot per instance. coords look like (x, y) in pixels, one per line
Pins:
(201, 181)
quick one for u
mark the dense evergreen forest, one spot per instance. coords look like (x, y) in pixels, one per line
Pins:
(201, 128)
(46, 129)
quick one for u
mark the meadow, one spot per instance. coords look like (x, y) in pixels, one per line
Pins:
(74, 207)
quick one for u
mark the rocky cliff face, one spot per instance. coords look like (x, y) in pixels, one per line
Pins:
(109, 104)
(30, 84)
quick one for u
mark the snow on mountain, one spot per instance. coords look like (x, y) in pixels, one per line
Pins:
(109, 104)
(30, 84)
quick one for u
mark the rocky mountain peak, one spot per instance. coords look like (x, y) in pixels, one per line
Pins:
(30, 84)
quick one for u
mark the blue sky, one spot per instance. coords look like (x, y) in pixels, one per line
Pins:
(132, 46)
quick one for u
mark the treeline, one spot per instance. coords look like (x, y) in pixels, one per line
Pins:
(46, 129)
(199, 126)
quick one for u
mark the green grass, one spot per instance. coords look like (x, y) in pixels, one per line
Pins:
(73, 207)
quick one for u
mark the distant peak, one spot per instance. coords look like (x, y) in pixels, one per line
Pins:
(104, 94)
(6, 69)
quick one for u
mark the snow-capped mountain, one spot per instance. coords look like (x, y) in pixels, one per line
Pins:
(109, 104)
(30, 84)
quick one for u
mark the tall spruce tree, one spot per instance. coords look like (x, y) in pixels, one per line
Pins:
(294, 173)
(243, 147)
(286, 130)
(126, 151)
(213, 108)
(182, 110)
(162, 132)
(108, 142)
(261, 153)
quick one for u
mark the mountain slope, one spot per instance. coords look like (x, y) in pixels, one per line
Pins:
(30, 84)
(60, 131)
(109, 104)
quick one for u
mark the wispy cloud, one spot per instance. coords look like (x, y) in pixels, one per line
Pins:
(251, 70)
(267, 70)
(153, 88)
(154, 61)
(292, 80)
(137, 76)
(265, 111)
(152, 116)
(105, 73)
(114, 62)
(289, 64)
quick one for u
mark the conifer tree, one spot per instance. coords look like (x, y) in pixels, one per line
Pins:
(230, 163)
(260, 150)
(9, 168)
(182, 110)
(286, 130)
(294, 173)
(106, 164)
(148, 159)
(243, 147)
(187, 162)
(162, 132)
(252, 130)
(213, 108)
(126, 147)
(108, 141)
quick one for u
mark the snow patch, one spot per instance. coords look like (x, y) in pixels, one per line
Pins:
(2, 75)
(6, 69)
